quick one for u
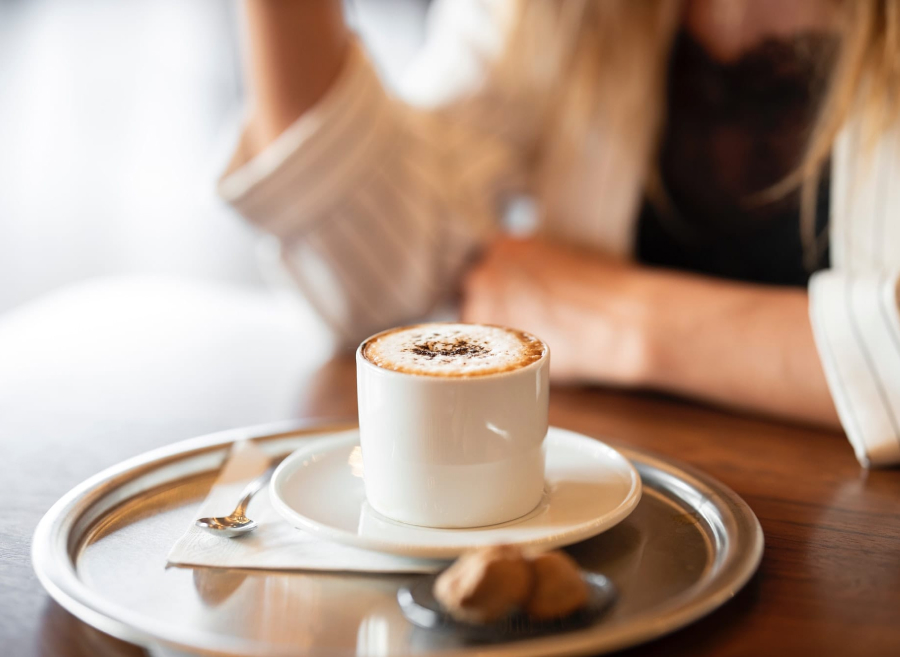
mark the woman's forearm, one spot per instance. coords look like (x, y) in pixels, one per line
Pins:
(744, 346)
(295, 52)
(613, 322)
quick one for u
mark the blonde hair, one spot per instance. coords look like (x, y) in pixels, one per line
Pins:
(605, 60)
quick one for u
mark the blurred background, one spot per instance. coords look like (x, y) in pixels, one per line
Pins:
(115, 119)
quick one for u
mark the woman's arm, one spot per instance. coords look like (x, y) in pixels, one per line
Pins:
(739, 345)
(295, 52)
(742, 346)
(377, 204)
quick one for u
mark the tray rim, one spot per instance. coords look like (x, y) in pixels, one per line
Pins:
(54, 558)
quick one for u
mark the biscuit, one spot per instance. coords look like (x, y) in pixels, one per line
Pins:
(485, 585)
(558, 588)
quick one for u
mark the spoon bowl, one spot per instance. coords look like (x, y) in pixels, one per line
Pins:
(237, 523)
(227, 525)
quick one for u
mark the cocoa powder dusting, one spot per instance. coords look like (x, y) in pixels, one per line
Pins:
(431, 349)
(439, 347)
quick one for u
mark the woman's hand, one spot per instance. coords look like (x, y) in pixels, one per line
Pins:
(590, 310)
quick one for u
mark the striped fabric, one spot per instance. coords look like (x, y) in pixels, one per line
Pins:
(375, 209)
(380, 202)
(854, 305)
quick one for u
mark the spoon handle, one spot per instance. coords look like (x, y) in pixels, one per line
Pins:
(252, 489)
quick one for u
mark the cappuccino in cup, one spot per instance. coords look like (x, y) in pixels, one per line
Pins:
(453, 350)
(452, 422)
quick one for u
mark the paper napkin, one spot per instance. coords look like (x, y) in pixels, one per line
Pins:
(274, 545)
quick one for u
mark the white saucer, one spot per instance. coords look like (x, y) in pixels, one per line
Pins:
(590, 487)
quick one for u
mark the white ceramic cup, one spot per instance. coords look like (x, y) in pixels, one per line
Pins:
(443, 451)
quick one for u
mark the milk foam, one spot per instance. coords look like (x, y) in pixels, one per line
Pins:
(455, 350)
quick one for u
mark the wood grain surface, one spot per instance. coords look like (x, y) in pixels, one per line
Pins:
(829, 583)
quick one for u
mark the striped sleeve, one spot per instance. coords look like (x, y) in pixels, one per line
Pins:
(378, 204)
(854, 306)
(857, 331)
(302, 174)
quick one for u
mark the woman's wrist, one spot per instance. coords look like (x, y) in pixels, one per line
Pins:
(653, 333)
(625, 323)
(677, 309)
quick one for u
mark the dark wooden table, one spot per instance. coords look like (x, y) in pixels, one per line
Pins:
(829, 583)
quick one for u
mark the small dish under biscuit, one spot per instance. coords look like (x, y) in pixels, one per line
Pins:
(421, 609)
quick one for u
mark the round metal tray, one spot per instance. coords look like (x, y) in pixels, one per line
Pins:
(101, 550)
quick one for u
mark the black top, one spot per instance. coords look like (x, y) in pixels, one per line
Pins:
(734, 130)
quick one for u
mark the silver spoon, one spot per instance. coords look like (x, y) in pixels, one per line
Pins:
(237, 523)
